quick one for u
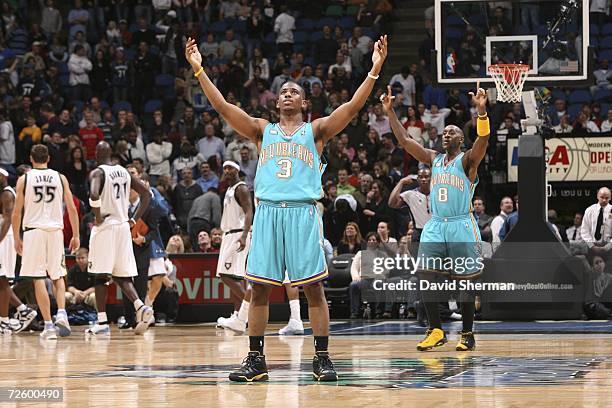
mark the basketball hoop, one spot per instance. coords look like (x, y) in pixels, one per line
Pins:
(509, 80)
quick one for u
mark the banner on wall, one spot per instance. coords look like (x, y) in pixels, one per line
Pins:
(570, 159)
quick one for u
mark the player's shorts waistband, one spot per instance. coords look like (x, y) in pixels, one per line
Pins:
(450, 219)
(287, 204)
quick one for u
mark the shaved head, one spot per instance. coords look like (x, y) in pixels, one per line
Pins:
(103, 153)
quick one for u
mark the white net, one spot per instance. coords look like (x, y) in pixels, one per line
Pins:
(509, 80)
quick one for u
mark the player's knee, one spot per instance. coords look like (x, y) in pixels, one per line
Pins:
(260, 294)
(315, 294)
(4, 283)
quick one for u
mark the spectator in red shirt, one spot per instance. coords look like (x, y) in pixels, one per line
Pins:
(90, 136)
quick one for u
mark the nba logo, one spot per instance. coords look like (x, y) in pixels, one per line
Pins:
(451, 63)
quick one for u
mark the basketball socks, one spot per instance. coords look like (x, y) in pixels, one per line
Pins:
(256, 343)
(49, 325)
(21, 307)
(320, 343)
(62, 313)
(243, 313)
(138, 304)
(102, 319)
(433, 315)
(294, 305)
(467, 313)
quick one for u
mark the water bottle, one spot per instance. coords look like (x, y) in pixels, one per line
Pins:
(367, 314)
(121, 321)
(402, 311)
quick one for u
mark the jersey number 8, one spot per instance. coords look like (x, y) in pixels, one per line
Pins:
(443, 194)
(49, 191)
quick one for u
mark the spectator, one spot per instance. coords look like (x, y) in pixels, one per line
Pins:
(78, 18)
(210, 145)
(216, 236)
(7, 140)
(205, 213)
(434, 142)
(414, 125)
(482, 219)
(76, 173)
(51, 21)
(228, 9)
(90, 136)
(606, 125)
(559, 229)
(564, 126)
(80, 284)
(342, 61)
(597, 223)
(283, 27)
(100, 78)
(602, 77)
(210, 48)
(584, 124)
(358, 266)
(506, 207)
(597, 305)
(352, 241)
(256, 30)
(383, 231)
(364, 42)
(417, 200)
(408, 85)
(144, 34)
(79, 66)
(29, 136)
(207, 179)
(365, 185)
(228, 46)
(57, 152)
(573, 232)
(436, 117)
(189, 158)
(204, 244)
(379, 121)
(233, 151)
(158, 153)
(258, 60)
(184, 194)
(65, 125)
(145, 68)
(120, 70)
(280, 79)
(326, 47)
(376, 208)
(343, 187)
(248, 166)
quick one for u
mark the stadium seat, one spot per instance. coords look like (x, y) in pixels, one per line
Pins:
(352, 10)
(239, 26)
(453, 33)
(347, 23)
(558, 94)
(337, 288)
(607, 29)
(122, 105)
(605, 107)
(300, 37)
(129, 53)
(605, 54)
(573, 111)
(325, 21)
(594, 30)
(454, 20)
(304, 24)
(579, 96)
(218, 27)
(152, 105)
(605, 43)
(270, 38)
(315, 36)
(164, 80)
(333, 10)
(594, 42)
(478, 20)
(603, 95)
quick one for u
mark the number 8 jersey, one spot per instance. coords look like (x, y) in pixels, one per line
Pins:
(451, 189)
(289, 166)
(44, 197)
(115, 194)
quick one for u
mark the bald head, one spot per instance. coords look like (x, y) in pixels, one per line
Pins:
(452, 138)
(103, 152)
(603, 196)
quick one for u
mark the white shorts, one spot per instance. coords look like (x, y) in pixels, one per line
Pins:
(111, 251)
(8, 257)
(43, 254)
(157, 267)
(231, 262)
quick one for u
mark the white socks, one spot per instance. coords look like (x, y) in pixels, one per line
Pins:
(294, 305)
(137, 304)
(102, 319)
(243, 313)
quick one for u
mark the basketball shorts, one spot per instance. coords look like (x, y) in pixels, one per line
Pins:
(43, 254)
(231, 262)
(157, 267)
(8, 257)
(111, 252)
(287, 236)
(451, 245)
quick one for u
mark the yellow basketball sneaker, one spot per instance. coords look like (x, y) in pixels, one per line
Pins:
(433, 338)
(466, 342)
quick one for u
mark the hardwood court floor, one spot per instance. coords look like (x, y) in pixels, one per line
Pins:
(187, 366)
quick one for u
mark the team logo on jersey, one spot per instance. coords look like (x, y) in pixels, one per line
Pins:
(273, 132)
(228, 265)
(438, 164)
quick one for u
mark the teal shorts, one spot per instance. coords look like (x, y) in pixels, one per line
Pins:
(451, 245)
(287, 236)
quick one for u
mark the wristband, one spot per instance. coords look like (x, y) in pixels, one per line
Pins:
(95, 204)
(372, 76)
(482, 127)
(199, 72)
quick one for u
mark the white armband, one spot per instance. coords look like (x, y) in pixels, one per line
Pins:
(95, 204)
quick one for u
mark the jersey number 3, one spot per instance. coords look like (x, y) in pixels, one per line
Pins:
(42, 191)
(285, 167)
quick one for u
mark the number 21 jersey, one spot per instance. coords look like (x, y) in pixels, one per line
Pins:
(115, 194)
(43, 200)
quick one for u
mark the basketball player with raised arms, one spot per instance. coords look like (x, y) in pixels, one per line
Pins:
(287, 227)
(39, 196)
(110, 243)
(236, 225)
(452, 231)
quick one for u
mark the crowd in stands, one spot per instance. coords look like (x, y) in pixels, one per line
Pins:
(72, 75)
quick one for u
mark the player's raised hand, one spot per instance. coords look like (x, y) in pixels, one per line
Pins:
(380, 53)
(192, 54)
(75, 244)
(387, 100)
(480, 98)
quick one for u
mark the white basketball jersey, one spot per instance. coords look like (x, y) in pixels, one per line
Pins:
(9, 188)
(233, 214)
(115, 194)
(44, 199)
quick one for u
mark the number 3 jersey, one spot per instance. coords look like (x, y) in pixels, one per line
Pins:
(289, 166)
(115, 194)
(43, 200)
(451, 189)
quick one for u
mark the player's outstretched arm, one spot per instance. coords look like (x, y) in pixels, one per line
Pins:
(244, 199)
(16, 218)
(145, 197)
(473, 157)
(412, 146)
(328, 127)
(8, 202)
(73, 216)
(239, 120)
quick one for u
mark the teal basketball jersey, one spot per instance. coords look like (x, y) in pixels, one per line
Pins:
(451, 189)
(289, 167)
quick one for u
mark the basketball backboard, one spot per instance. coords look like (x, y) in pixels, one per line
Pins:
(551, 36)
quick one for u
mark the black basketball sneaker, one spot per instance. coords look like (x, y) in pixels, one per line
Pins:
(466, 342)
(253, 369)
(322, 367)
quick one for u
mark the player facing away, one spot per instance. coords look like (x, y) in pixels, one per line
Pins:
(110, 243)
(452, 231)
(236, 225)
(287, 228)
(39, 196)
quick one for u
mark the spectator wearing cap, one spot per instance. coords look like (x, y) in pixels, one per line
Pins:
(408, 85)
(158, 155)
(284, 24)
(188, 158)
(7, 140)
(126, 34)
(35, 57)
(51, 19)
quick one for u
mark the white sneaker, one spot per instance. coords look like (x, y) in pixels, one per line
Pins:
(152, 320)
(455, 316)
(235, 324)
(143, 319)
(25, 318)
(49, 334)
(294, 327)
(5, 329)
(98, 330)
(222, 321)
(63, 327)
